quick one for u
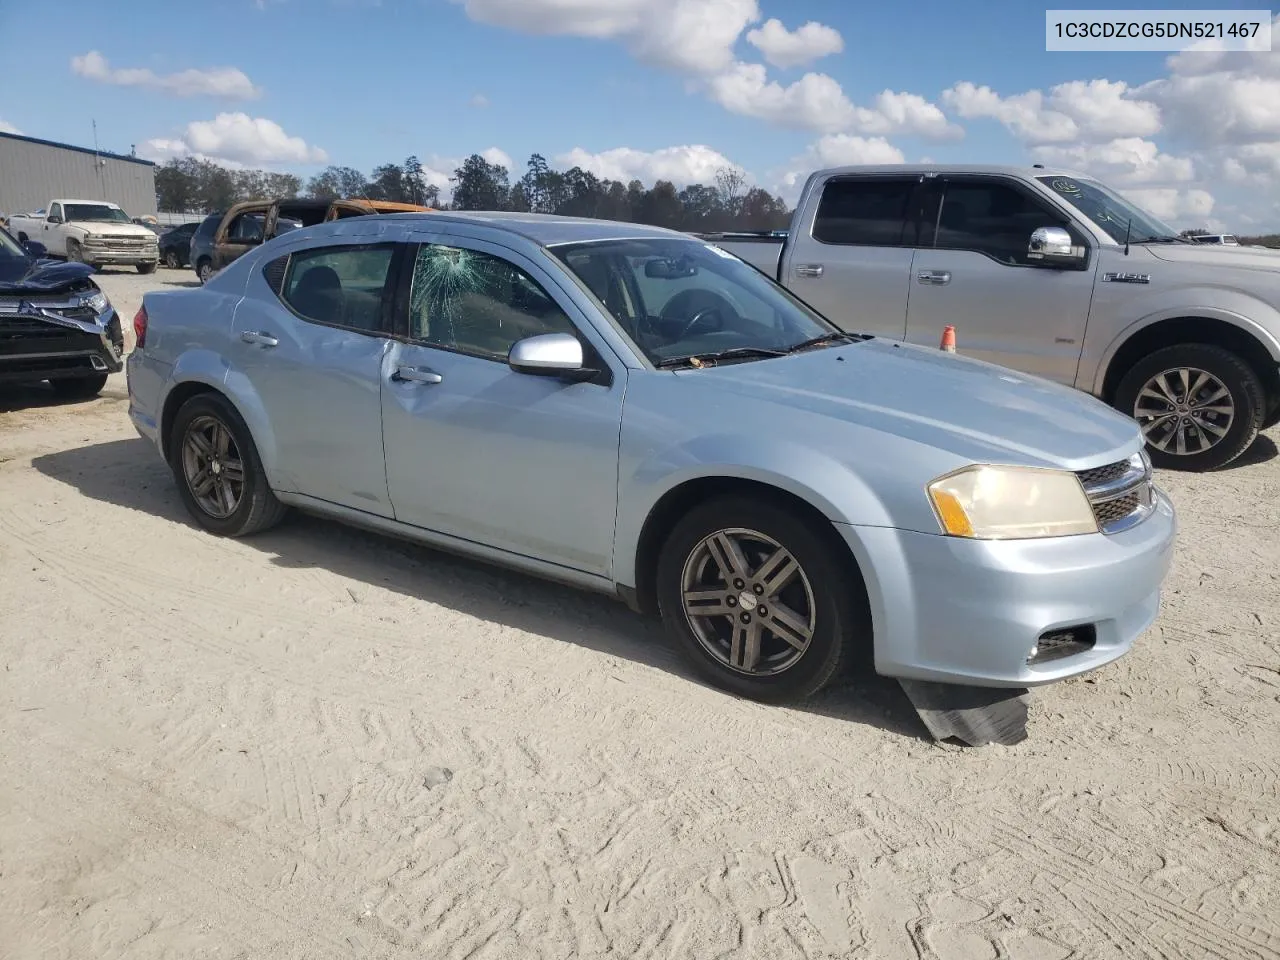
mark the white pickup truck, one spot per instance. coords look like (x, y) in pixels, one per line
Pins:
(1049, 273)
(89, 231)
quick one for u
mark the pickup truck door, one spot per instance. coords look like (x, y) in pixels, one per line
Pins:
(971, 270)
(849, 254)
(55, 233)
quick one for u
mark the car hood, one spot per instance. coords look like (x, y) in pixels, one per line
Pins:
(108, 229)
(41, 276)
(1216, 256)
(974, 410)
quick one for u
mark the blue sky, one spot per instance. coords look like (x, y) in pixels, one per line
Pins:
(647, 88)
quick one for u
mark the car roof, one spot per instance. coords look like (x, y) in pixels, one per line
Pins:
(1022, 170)
(548, 229)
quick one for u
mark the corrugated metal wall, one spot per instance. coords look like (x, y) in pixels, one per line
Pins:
(32, 174)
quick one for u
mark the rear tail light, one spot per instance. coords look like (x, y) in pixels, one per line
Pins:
(140, 327)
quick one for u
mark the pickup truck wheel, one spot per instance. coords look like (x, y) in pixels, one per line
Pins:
(219, 473)
(74, 253)
(79, 388)
(1200, 406)
(757, 599)
(146, 268)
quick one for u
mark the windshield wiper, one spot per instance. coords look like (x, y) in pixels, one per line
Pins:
(838, 337)
(704, 359)
(1163, 239)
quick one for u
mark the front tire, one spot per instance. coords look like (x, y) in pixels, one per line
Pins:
(1200, 406)
(204, 270)
(171, 260)
(146, 268)
(804, 614)
(79, 388)
(219, 473)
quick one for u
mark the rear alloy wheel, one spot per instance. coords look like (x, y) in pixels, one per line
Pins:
(204, 271)
(758, 599)
(219, 475)
(1199, 406)
(171, 260)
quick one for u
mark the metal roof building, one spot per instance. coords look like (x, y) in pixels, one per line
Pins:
(33, 172)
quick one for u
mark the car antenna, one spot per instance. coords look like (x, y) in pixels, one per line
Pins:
(1127, 227)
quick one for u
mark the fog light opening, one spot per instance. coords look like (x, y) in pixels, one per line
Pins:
(97, 363)
(1062, 643)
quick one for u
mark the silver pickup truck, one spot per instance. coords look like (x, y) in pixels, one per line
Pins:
(1050, 273)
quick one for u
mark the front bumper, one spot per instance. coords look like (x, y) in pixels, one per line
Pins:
(34, 348)
(119, 256)
(969, 611)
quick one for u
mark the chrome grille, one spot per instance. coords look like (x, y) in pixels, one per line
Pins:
(1121, 493)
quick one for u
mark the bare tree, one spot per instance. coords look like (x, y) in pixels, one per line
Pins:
(730, 181)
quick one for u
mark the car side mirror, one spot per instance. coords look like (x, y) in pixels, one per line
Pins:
(1052, 246)
(550, 355)
(53, 218)
(35, 249)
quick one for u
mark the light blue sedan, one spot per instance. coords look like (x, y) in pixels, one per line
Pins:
(635, 411)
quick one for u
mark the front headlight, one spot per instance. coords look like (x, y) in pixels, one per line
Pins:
(97, 302)
(1011, 503)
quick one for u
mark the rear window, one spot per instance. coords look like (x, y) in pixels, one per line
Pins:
(864, 212)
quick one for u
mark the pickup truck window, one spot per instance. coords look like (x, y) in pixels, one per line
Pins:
(992, 218)
(97, 213)
(55, 210)
(677, 298)
(864, 211)
(1111, 212)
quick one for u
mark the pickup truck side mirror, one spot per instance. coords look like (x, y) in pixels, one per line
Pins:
(1052, 247)
(53, 218)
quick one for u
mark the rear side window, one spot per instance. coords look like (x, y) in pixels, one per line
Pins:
(340, 286)
(864, 212)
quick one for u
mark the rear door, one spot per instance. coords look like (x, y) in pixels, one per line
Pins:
(850, 257)
(310, 337)
(971, 271)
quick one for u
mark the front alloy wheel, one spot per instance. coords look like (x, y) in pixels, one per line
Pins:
(1199, 406)
(763, 600)
(748, 601)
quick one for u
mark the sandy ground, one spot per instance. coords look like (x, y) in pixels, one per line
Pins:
(318, 743)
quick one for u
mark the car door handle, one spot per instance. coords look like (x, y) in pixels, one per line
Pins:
(813, 270)
(405, 374)
(262, 339)
(938, 277)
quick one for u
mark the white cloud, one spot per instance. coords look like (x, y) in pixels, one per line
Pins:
(1219, 108)
(6, 127)
(786, 48)
(236, 139)
(1128, 160)
(814, 102)
(905, 113)
(1253, 163)
(479, 101)
(1177, 206)
(500, 158)
(682, 165)
(1093, 110)
(696, 36)
(215, 82)
(1196, 61)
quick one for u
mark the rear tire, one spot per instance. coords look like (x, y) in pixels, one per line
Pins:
(209, 448)
(171, 260)
(1225, 406)
(79, 388)
(735, 649)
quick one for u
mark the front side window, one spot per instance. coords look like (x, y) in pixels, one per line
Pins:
(247, 228)
(477, 303)
(864, 212)
(678, 298)
(340, 286)
(992, 218)
(1121, 220)
(55, 210)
